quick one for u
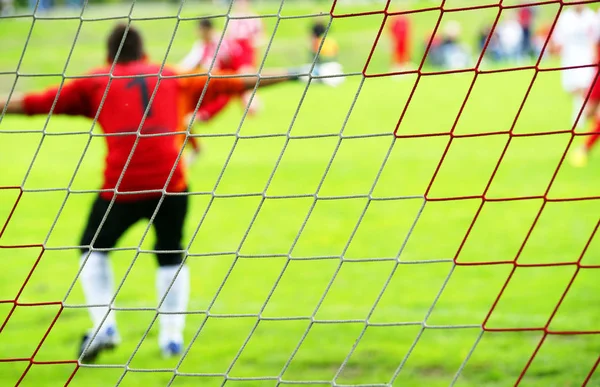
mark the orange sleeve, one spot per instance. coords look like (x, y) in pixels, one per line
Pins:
(193, 87)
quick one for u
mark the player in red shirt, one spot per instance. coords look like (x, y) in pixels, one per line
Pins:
(525, 17)
(218, 54)
(139, 107)
(246, 29)
(400, 33)
(209, 52)
(579, 157)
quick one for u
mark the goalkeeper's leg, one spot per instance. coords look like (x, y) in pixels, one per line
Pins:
(96, 275)
(173, 278)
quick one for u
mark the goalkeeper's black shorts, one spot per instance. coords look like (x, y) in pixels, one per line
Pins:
(169, 217)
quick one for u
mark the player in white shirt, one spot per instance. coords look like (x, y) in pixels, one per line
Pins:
(510, 36)
(575, 36)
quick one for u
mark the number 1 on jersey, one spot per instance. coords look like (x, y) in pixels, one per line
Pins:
(142, 86)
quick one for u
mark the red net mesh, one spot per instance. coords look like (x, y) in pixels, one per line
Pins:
(420, 73)
(15, 303)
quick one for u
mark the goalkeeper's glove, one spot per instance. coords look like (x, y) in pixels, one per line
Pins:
(329, 73)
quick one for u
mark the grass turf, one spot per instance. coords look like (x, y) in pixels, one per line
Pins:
(428, 235)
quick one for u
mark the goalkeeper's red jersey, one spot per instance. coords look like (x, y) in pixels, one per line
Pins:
(137, 164)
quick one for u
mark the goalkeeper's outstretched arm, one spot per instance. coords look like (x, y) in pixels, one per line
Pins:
(227, 83)
(69, 99)
(273, 77)
(16, 103)
(328, 73)
(231, 84)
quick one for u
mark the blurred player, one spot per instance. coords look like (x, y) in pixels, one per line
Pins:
(579, 158)
(494, 50)
(210, 52)
(526, 16)
(400, 34)
(324, 50)
(208, 48)
(246, 29)
(575, 36)
(143, 177)
(448, 52)
(510, 36)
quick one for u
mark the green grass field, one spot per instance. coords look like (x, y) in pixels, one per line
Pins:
(281, 257)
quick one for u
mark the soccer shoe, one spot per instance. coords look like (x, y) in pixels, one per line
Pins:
(579, 157)
(172, 349)
(107, 340)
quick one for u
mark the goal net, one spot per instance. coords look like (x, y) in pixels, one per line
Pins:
(419, 223)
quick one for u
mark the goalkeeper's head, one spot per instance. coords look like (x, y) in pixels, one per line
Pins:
(125, 44)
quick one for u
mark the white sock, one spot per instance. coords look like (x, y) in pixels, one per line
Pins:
(578, 101)
(98, 288)
(171, 325)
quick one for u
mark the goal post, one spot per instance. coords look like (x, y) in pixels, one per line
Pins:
(414, 220)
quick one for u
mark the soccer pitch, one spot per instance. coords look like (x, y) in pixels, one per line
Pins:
(395, 299)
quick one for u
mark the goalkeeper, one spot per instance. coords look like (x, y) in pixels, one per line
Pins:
(138, 105)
